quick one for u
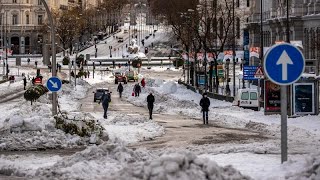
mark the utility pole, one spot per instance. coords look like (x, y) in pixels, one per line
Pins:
(234, 49)
(6, 45)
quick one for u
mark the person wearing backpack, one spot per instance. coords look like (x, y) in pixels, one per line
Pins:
(105, 99)
(120, 89)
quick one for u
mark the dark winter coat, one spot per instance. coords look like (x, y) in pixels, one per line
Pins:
(120, 88)
(150, 100)
(105, 99)
(205, 103)
(137, 88)
(24, 81)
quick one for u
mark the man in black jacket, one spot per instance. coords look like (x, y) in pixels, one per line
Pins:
(205, 104)
(137, 89)
(120, 89)
(150, 100)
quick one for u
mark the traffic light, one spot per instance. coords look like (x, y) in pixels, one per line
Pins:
(146, 50)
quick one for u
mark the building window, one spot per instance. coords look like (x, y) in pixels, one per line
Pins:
(40, 19)
(27, 1)
(14, 1)
(238, 3)
(39, 2)
(248, 3)
(14, 19)
(238, 28)
(27, 19)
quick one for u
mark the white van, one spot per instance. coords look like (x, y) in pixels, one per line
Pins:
(248, 98)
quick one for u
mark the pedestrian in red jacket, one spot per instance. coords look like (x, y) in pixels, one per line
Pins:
(143, 82)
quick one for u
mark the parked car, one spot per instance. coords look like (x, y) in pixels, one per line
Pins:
(132, 75)
(248, 98)
(120, 77)
(98, 94)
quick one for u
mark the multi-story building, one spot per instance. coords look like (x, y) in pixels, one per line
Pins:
(304, 24)
(22, 23)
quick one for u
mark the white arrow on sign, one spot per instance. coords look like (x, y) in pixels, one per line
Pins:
(54, 84)
(284, 60)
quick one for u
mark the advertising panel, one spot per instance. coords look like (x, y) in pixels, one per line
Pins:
(272, 97)
(303, 98)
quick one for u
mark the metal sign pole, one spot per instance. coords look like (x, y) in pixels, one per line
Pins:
(53, 48)
(284, 136)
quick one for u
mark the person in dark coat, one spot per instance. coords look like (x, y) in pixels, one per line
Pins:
(120, 89)
(105, 99)
(137, 89)
(150, 100)
(24, 82)
(205, 104)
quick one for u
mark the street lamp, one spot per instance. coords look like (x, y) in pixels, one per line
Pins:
(110, 48)
(199, 7)
(53, 48)
(227, 68)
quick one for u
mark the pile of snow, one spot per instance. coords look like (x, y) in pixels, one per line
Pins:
(34, 130)
(114, 161)
(131, 129)
(309, 170)
(96, 162)
(180, 166)
(169, 87)
(69, 95)
(24, 165)
(31, 127)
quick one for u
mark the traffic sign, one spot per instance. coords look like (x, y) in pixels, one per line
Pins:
(259, 73)
(249, 72)
(284, 64)
(54, 84)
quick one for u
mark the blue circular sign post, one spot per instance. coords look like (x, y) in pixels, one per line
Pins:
(54, 84)
(284, 64)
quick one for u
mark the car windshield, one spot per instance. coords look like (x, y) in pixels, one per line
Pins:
(100, 90)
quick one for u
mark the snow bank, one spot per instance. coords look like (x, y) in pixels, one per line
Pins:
(113, 161)
(96, 162)
(183, 165)
(32, 127)
(309, 170)
(34, 130)
(69, 95)
(131, 129)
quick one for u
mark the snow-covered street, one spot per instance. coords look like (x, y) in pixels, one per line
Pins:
(80, 144)
(245, 139)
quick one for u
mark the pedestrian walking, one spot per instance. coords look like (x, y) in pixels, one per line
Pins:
(28, 60)
(105, 99)
(120, 89)
(205, 104)
(24, 82)
(150, 100)
(143, 83)
(137, 89)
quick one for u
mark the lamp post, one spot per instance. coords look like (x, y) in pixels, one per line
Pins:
(234, 49)
(110, 48)
(227, 68)
(53, 48)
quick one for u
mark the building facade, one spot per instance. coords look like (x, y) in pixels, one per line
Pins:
(304, 24)
(22, 23)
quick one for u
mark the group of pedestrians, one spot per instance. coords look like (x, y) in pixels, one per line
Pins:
(106, 99)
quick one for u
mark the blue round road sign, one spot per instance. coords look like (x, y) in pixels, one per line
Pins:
(284, 64)
(54, 84)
